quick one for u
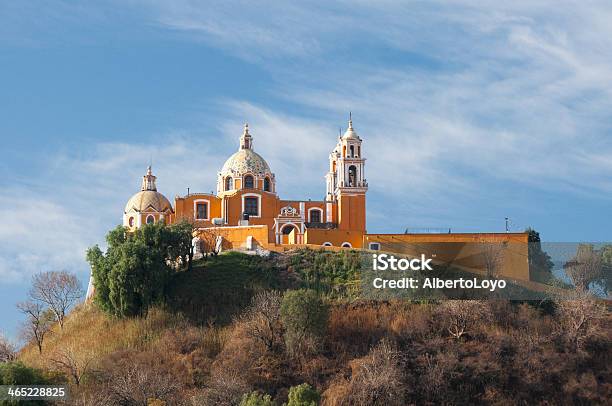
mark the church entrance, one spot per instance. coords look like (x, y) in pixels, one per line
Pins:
(289, 234)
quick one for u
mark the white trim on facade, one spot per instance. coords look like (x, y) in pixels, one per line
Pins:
(195, 208)
(258, 196)
(315, 208)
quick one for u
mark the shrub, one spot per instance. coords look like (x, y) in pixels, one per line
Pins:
(15, 373)
(256, 399)
(305, 318)
(303, 395)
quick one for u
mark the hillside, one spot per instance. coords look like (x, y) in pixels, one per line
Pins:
(200, 348)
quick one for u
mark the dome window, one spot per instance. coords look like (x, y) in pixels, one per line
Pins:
(150, 219)
(267, 185)
(131, 221)
(229, 183)
(249, 182)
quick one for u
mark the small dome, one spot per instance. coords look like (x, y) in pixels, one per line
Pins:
(350, 132)
(148, 200)
(245, 161)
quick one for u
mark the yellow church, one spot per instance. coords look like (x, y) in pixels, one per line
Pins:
(246, 213)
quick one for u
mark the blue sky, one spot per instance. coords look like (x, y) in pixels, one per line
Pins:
(470, 111)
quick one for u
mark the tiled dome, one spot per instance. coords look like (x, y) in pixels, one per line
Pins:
(245, 161)
(148, 200)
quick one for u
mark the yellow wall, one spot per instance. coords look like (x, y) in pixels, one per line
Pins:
(351, 212)
(336, 237)
(184, 208)
(236, 237)
(464, 250)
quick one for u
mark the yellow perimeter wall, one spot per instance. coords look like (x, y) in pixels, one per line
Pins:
(464, 251)
(236, 237)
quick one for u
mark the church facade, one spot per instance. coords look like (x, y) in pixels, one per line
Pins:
(247, 201)
(247, 213)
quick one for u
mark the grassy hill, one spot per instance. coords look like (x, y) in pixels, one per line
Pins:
(194, 350)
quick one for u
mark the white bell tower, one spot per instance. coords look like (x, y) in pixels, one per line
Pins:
(346, 166)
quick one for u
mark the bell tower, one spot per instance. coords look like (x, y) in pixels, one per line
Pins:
(346, 183)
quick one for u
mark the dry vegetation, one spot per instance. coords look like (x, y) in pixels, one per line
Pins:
(371, 353)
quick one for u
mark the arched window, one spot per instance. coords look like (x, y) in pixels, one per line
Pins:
(229, 183)
(358, 151)
(352, 175)
(327, 244)
(131, 221)
(352, 151)
(346, 245)
(267, 184)
(249, 182)
(150, 219)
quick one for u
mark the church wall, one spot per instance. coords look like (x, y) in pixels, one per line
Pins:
(465, 250)
(269, 209)
(184, 208)
(336, 237)
(235, 237)
(351, 210)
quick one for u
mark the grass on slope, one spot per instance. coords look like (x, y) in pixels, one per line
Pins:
(218, 288)
(91, 333)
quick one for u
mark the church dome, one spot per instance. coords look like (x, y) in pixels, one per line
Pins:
(245, 160)
(148, 199)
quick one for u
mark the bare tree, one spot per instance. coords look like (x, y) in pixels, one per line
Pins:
(224, 388)
(262, 319)
(585, 267)
(7, 349)
(461, 315)
(579, 314)
(140, 384)
(209, 241)
(38, 323)
(74, 363)
(492, 256)
(58, 290)
(377, 378)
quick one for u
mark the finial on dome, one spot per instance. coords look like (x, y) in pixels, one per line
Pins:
(148, 181)
(350, 123)
(246, 138)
